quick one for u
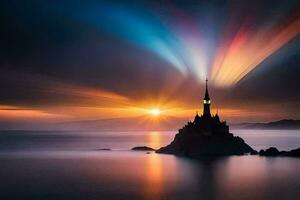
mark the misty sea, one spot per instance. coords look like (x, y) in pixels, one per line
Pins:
(71, 165)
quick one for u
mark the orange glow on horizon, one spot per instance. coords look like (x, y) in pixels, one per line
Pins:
(13, 112)
(170, 115)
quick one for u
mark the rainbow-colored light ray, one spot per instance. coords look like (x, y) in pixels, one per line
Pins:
(248, 49)
(198, 44)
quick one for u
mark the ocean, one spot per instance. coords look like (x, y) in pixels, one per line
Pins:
(70, 165)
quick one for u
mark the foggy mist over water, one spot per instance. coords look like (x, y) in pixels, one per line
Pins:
(72, 140)
(68, 165)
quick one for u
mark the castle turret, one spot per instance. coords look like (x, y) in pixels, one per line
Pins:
(206, 103)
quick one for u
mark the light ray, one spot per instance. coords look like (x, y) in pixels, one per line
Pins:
(138, 28)
(247, 50)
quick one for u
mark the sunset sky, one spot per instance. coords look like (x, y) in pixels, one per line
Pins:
(67, 61)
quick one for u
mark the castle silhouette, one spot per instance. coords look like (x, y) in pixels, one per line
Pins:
(206, 123)
(206, 136)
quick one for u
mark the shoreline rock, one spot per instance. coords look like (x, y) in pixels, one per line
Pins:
(274, 152)
(142, 148)
(206, 136)
(197, 145)
(104, 149)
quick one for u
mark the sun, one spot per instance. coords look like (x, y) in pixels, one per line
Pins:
(155, 112)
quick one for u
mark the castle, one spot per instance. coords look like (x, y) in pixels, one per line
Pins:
(206, 136)
(206, 123)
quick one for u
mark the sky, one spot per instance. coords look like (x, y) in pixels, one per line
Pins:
(71, 61)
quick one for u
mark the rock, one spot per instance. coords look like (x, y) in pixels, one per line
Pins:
(104, 149)
(196, 145)
(142, 148)
(206, 136)
(254, 153)
(293, 153)
(261, 152)
(272, 151)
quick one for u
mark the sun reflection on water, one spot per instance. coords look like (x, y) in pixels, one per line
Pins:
(154, 139)
(154, 177)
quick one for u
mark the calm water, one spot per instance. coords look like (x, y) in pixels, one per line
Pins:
(67, 165)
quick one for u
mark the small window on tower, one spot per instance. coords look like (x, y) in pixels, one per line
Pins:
(206, 101)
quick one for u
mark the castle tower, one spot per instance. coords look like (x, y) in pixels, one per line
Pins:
(206, 103)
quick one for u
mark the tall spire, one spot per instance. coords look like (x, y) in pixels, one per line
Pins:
(206, 102)
(206, 91)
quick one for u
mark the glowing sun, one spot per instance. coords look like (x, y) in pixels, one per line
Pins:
(155, 112)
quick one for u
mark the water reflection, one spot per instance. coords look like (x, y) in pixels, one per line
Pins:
(154, 139)
(137, 175)
(154, 177)
(79, 141)
(243, 176)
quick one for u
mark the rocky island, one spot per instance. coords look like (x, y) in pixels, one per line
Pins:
(206, 135)
(142, 148)
(272, 152)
